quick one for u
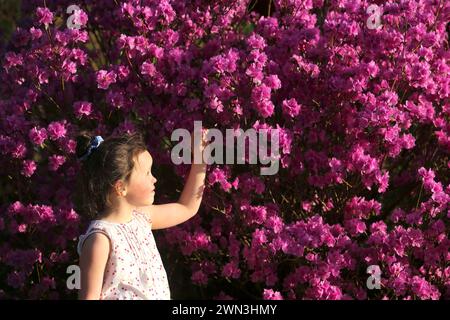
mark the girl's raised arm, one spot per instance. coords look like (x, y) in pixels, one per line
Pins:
(172, 214)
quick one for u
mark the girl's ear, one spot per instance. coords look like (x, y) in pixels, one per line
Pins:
(120, 188)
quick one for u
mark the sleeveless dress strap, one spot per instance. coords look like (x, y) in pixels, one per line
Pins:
(91, 230)
(145, 216)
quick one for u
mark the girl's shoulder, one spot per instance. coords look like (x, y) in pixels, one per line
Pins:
(94, 227)
(142, 216)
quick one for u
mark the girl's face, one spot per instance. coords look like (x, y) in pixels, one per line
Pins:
(141, 186)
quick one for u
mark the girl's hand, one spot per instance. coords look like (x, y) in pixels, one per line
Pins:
(200, 146)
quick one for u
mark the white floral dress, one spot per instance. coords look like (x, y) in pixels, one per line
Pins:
(134, 269)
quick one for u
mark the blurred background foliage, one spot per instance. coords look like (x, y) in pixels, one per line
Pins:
(9, 15)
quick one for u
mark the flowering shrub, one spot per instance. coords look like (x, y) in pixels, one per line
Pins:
(363, 115)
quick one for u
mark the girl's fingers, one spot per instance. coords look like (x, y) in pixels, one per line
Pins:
(204, 137)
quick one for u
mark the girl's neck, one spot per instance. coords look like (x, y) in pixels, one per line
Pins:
(123, 214)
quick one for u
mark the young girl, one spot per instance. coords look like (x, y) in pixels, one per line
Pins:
(118, 255)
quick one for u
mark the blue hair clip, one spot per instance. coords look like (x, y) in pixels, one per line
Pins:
(95, 142)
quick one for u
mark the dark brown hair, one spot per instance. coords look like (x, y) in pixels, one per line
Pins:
(112, 160)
